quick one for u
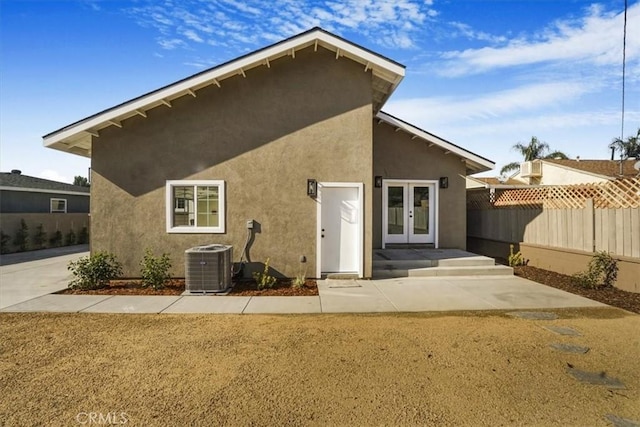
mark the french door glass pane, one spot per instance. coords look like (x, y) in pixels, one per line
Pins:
(420, 210)
(395, 217)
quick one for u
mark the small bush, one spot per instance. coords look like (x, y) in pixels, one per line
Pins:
(301, 277)
(56, 240)
(95, 271)
(21, 240)
(515, 260)
(264, 279)
(70, 238)
(40, 238)
(4, 242)
(83, 236)
(155, 270)
(601, 272)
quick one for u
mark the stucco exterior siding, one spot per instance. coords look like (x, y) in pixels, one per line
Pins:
(264, 135)
(397, 156)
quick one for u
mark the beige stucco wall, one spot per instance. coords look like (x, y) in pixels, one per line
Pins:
(565, 261)
(51, 222)
(264, 135)
(397, 156)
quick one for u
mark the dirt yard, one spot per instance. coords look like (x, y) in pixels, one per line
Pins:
(391, 369)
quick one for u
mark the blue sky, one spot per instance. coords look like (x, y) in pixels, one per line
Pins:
(482, 74)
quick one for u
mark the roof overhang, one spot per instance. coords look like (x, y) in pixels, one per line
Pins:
(76, 138)
(473, 162)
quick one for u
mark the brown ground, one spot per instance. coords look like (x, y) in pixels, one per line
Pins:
(176, 287)
(391, 369)
(612, 296)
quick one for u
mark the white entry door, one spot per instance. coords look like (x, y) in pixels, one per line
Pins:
(409, 212)
(340, 228)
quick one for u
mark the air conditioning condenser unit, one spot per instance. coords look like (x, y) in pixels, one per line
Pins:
(208, 268)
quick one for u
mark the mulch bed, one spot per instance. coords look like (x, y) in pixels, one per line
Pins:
(177, 286)
(612, 296)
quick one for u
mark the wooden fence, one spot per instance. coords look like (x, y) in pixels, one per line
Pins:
(586, 217)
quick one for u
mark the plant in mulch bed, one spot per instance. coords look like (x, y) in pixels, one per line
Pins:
(83, 236)
(4, 242)
(95, 271)
(515, 259)
(56, 240)
(264, 280)
(301, 277)
(70, 238)
(601, 272)
(21, 240)
(155, 270)
(40, 238)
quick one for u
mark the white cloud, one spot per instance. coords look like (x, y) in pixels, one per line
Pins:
(594, 39)
(54, 176)
(496, 104)
(238, 24)
(193, 36)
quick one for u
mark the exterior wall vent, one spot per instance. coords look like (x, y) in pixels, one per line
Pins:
(531, 169)
(208, 268)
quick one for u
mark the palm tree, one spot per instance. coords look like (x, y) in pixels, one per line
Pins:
(627, 148)
(536, 149)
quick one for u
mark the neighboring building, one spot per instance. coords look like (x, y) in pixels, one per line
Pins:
(567, 172)
(253, 139)
(561, 172)
(27, 194)
(56, 205)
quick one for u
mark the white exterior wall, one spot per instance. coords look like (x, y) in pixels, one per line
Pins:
(557, 175)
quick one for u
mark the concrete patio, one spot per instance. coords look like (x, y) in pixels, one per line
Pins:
(29, 287)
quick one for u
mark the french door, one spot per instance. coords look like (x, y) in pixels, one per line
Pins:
(409, 211)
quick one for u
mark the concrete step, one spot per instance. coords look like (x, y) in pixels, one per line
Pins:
(466, 261)
(402, 264)
(486, 270)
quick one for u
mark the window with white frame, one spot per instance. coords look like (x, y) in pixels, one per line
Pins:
(195, 207)
(58, 206)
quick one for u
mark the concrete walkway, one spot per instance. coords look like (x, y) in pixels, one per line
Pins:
(28, 275)
(28, 287)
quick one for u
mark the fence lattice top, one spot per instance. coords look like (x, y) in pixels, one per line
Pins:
(621, 193)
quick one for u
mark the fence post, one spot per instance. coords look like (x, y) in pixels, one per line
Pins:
(591, 227)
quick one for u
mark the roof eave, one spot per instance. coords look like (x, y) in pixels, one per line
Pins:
(77, 137)
(474, 163)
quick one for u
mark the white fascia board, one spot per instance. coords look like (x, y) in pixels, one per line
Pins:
(228, 70)
(37, 190)
(436, 140)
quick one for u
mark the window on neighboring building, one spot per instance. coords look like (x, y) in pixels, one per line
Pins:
(195, 206)
(58, 206)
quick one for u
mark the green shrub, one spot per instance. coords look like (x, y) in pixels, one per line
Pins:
(301, 277)
(70, 238)
(56, 239)
(602, 271)
(155, 270)
(83, 236)
(95, 271)
(264, 279)
(40, 238)
(4, 242)
(22, 237)
(515, 260)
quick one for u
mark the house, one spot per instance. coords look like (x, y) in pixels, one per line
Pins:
(56, 206)
(283, 153)
(574, 171)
